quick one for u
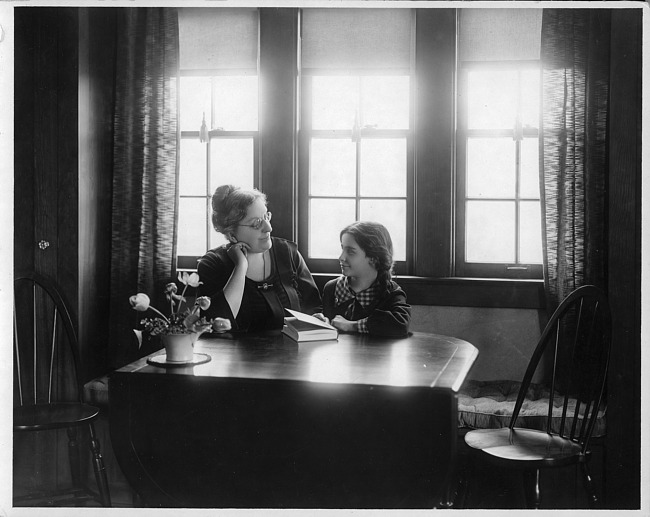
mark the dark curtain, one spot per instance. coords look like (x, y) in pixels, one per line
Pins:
(145, 150)
(573, 174)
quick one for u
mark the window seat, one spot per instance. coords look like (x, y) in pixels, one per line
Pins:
(96, 392)
(489, 405)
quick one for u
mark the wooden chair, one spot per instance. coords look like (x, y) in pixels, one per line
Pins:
(574, 347)
(48, 391)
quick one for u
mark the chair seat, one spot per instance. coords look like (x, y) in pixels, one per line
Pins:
(489, 405)
(52, 416)
(534, 448)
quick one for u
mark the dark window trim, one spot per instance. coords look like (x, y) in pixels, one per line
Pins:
(458, 292)
(466, 292)
(434, 126)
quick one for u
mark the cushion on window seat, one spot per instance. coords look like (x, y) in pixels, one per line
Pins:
(96, 391)
(489, 405)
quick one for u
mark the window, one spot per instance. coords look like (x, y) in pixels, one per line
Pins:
(218, 118)
(356, 143)
(498, 200)
(498, 230)
(388, 125)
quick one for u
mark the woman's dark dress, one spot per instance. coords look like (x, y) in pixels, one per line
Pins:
(289, 286)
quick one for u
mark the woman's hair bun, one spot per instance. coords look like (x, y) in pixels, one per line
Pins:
(230, 205)
(221, 194)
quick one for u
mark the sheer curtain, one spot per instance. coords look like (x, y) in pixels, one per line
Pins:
(145, 170)
(573, 175)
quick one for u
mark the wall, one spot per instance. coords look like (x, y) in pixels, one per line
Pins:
(505, 338)
(624, 260)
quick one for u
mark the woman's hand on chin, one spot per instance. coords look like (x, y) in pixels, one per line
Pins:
(238, 252)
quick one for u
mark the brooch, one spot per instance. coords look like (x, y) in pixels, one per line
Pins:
(265, 286)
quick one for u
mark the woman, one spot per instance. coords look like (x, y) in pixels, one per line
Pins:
(255, 276)
(365, 299)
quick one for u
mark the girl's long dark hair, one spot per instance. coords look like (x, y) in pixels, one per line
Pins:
(373, 238)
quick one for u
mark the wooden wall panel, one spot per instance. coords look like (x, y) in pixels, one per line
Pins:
(624, 383)
(46, 145)
(24, 127)
(67, 145)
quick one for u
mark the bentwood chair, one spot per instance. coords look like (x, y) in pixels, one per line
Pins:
(48, 396)
(574, 348)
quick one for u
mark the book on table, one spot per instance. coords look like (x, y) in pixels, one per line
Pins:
(303, 327)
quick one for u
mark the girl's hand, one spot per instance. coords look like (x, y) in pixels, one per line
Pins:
(344, 325)
(238, 252)
(321, 316)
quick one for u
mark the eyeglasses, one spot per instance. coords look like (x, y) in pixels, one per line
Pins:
(257, 223)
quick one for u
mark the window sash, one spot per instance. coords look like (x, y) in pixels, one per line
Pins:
(462, 267)
(306, 135)
(190, 261)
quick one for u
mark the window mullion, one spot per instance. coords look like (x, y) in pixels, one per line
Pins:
(360, 123)
(435, 115)
(211, 188)
(517, 198)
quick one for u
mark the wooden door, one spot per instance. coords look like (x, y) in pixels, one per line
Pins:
(46, 145)
(45, 190)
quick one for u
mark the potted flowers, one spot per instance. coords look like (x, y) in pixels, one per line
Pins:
(180, 330)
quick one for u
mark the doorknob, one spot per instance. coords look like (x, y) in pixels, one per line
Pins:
(43, 244)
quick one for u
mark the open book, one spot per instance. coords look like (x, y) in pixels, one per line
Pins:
(302, 327)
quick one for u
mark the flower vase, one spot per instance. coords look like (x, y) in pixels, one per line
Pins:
(179, 347)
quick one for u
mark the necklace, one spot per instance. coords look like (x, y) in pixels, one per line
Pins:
(265, 286)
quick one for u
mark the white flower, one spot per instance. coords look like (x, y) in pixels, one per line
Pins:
(189, 279)
(140, 302)
(221, 325)
(203, 302)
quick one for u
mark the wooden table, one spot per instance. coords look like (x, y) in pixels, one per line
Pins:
(361, 422)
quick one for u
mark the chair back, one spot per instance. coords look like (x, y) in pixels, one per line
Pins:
(576, 342)
(46, 354)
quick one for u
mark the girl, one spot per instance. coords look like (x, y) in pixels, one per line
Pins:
(365, 299)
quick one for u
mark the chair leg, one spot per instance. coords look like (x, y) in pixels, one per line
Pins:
(589, 486)
(454, 494)
(73, 456)
(99, 468)
(532, 490)
(462, 490)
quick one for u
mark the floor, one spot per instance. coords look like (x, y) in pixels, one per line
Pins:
(487, 487)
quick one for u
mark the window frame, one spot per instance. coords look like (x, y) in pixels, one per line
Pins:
(306, 133)
(462, 268)
(432, 281)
